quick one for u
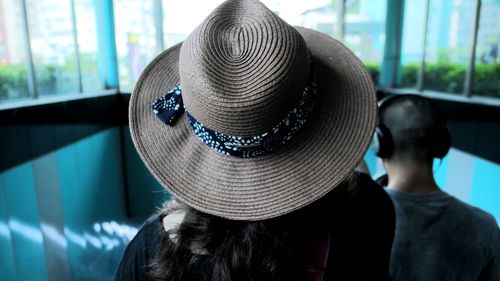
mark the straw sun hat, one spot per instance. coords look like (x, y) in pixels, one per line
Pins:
(275, 116)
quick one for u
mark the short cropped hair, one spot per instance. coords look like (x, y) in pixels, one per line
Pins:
(411, 121)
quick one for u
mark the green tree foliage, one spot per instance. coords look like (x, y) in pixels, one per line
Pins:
(13, 80)
(374, 70)
(487, 80)
(441, 77)
(448, 77)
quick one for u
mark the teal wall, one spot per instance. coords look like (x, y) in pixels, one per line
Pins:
(69, 214)
(146, 192)
(63, 215)
(22, 242)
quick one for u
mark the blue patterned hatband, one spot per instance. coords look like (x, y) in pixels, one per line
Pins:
(169, 107)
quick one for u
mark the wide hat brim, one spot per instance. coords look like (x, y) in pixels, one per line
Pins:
(324, 154)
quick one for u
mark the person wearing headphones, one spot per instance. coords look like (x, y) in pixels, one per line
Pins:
(437, 237)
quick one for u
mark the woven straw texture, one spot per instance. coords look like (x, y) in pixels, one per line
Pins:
(250, 67)
(241, 70)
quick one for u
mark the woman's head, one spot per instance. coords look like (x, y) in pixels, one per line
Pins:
(252, 118)
(288, 247)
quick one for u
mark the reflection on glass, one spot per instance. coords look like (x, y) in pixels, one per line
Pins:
(13, 79)
(365, 31)
(135, 38)
(411, 49)
(487, 64)
(53, 48)
(449, 37)
(87, 44)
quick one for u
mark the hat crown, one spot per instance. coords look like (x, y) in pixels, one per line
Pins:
(242, 69)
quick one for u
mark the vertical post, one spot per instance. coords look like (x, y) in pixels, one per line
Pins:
(30, 68)
(107, 58)
(77, 49)
(391, 64)
(469, 75)
(158, 18)
(340, 12)
(421, 68)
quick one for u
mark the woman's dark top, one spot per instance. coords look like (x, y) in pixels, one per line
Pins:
(362, 231)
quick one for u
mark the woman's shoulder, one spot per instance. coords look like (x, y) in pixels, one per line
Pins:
(362, 233)
(141, 251)
(369, 189)
(360, 191)
(371, 201)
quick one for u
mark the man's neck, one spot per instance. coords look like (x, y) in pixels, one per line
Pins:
(411, 178)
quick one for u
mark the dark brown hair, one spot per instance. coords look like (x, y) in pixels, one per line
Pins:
(211, 248)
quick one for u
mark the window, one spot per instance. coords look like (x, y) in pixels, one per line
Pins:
(86, 29)
(53, 46)
(487, 61)
(448, 43)
(448, 29)
(364, 22)
(411, 49)
(48, 47)
(136, 41)
(176, 12)
(365, 31)
(318, 15)
(13, 68)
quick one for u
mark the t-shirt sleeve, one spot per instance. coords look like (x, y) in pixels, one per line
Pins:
(492, 270)
(139, 253)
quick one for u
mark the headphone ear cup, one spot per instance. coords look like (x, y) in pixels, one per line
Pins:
(385, 144)
(442, 142)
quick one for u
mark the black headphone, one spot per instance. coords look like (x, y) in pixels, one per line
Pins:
(439, 141)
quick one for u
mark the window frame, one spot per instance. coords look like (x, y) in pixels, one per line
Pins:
(108, 62)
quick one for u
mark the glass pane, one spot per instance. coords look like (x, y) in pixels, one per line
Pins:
(413, 37)
(365, 31)
(13, 79)
(175, 12)
(135, 38)
(52, 45)
(87, 44)
(449, 36)
(487, 67)
(318, 14)
(365, 22)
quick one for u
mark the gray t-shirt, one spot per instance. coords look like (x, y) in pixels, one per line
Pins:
(440, 238)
